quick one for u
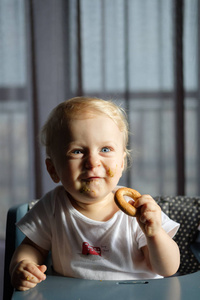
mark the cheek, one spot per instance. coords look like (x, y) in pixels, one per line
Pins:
(114, 169)
(72, 166)
(68, 171)
(70, 174)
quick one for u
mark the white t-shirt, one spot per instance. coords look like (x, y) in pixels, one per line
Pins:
(84, 248)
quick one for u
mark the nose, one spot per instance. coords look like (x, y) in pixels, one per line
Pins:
(92, 161)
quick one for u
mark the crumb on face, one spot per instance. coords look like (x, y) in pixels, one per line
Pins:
(110, 173)
(85, 189)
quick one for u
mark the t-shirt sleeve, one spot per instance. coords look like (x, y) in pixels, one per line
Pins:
(170, 226)
(36, 225)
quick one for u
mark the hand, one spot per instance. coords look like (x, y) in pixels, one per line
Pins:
(148, 215)
(27, 274)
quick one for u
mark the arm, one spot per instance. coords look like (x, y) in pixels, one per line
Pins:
(26, 267)
(161, 253)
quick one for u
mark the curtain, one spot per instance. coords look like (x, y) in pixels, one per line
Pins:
(14, 180)
(142, 54)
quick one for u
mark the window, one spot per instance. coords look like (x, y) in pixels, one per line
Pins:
(132, 47)
(14, 180)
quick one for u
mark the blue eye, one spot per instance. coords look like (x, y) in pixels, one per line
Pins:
(105, 149)
(77, 152)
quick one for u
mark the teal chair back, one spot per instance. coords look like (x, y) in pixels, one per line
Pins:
(14, 237)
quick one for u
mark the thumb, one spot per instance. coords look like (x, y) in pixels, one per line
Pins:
(42, 268)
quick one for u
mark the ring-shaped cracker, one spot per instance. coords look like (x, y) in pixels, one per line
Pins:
(126, 207)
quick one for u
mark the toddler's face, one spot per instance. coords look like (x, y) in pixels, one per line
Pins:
(92, 158)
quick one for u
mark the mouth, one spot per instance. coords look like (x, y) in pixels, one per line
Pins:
(89, 184)
(92, 178)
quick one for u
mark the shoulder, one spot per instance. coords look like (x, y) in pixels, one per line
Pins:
(49, 200)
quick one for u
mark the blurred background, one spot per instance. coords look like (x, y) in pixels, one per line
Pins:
(143, 54)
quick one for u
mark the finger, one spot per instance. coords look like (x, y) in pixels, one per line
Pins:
(147, 217)
(25, 286)
(42, 268)
(35, 271)
(131, 202)
(31, 278)
(143, 200)
(149, 207)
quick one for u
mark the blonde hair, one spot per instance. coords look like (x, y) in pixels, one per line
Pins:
(74, 108)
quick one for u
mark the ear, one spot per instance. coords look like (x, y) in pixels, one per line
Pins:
(123, 166)
(51, 170)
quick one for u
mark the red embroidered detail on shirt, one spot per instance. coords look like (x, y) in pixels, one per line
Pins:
(87, 249)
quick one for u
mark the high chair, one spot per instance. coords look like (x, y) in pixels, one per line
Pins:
(184, 210)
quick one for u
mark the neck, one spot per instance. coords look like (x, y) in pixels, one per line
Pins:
(101, 210)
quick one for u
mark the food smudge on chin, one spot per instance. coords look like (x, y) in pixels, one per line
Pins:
(85, 189)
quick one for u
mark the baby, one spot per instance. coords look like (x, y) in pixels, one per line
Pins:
(88, 236)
